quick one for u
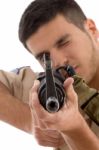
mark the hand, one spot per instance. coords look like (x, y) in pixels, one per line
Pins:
(67, 118)
(43, 135)
(47, 137)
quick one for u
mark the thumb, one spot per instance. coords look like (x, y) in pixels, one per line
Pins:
(71, 94)
(33, 92)
(35, 86)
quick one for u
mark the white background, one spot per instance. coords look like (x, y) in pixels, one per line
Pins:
(13, 54)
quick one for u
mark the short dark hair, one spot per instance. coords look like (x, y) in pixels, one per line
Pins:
(40, 12)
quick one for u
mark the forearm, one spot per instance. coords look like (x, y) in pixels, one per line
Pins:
(82, 138)
(13, 111)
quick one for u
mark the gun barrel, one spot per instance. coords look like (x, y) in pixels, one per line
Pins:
(52, 104)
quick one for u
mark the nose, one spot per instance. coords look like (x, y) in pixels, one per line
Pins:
(58, 58)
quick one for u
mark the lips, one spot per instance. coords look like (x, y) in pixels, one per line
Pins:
(76, 68)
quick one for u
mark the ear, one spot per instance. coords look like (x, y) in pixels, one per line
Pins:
(91, 27)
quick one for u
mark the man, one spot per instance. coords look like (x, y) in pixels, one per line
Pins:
(59, 28)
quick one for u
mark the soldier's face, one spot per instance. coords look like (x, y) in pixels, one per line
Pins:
(67, 44)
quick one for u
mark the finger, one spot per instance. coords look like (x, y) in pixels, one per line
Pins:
(37, 122)
(48, 133)
(40, 111)
(35, 119)
(40, 123)
(33, 89)
(33, 96)
(71, 94)
(35, 86)
(48, 137)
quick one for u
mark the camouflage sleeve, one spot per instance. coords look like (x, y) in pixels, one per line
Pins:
(18, 83)
(65, 147)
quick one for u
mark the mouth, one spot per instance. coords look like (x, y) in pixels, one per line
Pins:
(76, 68)
(67, 71)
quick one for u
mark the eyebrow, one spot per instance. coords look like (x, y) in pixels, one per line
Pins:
(62, 39)
(58, 42)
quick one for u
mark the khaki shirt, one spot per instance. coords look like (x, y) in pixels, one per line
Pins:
(20, 83)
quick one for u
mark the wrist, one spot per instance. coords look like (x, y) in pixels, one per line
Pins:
(78, 124)
(82, 137)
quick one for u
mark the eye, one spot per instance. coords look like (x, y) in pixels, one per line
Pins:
(40, 58)
(65, 43)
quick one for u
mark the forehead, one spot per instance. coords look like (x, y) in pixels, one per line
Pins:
(49, 33)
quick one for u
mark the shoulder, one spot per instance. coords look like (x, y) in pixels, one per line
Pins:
(19, 80)
(24, 72)
(16, 74)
